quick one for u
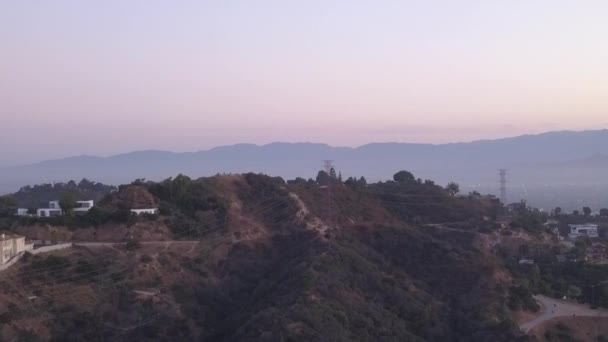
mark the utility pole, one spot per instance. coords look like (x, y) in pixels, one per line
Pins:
(328, 165)
(503, 186)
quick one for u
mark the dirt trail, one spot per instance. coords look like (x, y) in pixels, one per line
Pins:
(304, 214)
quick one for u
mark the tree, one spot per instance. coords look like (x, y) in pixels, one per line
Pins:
(575, 213)
(586, 211)
(332, 173)
(557, 211)
(453, 188)
(403, 177)
(574, 291)
(67, 202)
(8, 206)
(362, 181)
(604, 212)
(323, 178)
(524, 251)
(86, 184)
(298, 180)
(350, 181)
(340, 177)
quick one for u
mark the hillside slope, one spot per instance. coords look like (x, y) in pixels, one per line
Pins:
(281, 266)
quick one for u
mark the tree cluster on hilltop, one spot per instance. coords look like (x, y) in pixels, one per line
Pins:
(39, 196)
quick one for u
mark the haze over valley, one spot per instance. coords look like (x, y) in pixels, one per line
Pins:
(566, 169)
(392, 170)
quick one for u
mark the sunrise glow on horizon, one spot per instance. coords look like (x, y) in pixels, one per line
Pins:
(116, 76)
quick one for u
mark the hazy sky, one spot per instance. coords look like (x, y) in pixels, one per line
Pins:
(101, 77)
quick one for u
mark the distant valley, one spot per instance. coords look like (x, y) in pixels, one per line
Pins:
(555, 159)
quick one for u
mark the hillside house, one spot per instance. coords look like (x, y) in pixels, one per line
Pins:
(581, 230)
(83, 206)
(22, 212)
(151, 211)
(12, 245)
(54, 209)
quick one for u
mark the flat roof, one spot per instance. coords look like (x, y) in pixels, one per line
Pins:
(10, 236)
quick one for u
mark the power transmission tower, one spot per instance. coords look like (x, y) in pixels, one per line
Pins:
(329, 165)
(503, 185)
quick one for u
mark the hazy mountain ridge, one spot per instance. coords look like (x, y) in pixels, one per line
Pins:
(564, 157)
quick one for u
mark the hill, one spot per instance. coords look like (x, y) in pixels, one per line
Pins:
(272, 262)
(38, 196)
(552, 158)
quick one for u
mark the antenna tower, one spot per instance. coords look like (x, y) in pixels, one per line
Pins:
(503, 185)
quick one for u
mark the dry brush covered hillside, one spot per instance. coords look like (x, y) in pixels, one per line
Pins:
(265, 260)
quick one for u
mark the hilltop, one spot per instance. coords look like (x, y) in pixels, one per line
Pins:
(401, 260)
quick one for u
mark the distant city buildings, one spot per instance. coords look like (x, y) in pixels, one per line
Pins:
(583, 230)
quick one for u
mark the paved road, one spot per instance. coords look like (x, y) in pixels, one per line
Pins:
(551, 308)
(144, 243)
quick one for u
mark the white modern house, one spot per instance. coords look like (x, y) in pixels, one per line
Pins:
(151, 211)
(83, 206)
(22, 212)
(54, 208)
(12, 245)
(578, 230)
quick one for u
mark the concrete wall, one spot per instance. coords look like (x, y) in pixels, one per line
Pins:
(11, 262)
(30, 248)
(19, 245)
(6, 251)
(46, 249)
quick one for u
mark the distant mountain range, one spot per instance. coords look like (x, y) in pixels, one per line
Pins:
(552, 158)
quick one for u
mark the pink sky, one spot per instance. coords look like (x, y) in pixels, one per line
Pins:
(115, 76)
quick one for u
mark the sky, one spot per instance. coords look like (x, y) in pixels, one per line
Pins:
(112, 76)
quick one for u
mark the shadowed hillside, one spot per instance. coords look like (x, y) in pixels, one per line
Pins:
(274, 261)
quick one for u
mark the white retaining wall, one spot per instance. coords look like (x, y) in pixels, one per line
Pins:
(11, 262)
(51, 248)
(30, 248)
